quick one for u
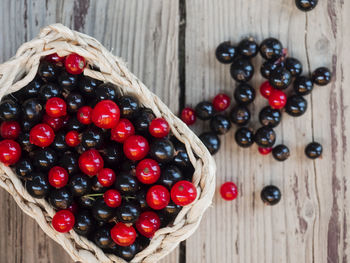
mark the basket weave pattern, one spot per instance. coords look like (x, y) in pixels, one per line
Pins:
(21, 69)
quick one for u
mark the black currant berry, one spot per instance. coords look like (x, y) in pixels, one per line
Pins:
(271, 49)
(80, 184)
(313, 150)
(84, 222)
(240, 115)
(244, 137)
(126, 184)
(27, 125)
(68, 81)
(86, 201)
(142, 120)
(211, 141)
(112, 154)
(204, 110)
(31, 90)
(302, 85)
(242, 70)
(96, 186)
(294, 66)
(265, 137)
(162, 150)
(48, 71)
(170, 175)
(127, 253)
(44, 159)
(306, 5)
(321, 76)
(220, 124)
(24, 168)
(9, 110)
(69, 161)
(74, 125)
(270, 117)
(141, 199)
(38, 186)
(101, 211)
(267, 68)
(171, 211)
(92, 138)
(59, 144)
(60, 198)
(181, 158)
(128, 212)
(270, 195)
(128, 106)
(280, 78)
(88, 85)
(23, 140)
(280, 152)
(102, 237)
(296, 106)
(50, 90)
(74, 102)
(225, 52)
(33, 110)
(248, 47)
(107, 91)
(244, 93)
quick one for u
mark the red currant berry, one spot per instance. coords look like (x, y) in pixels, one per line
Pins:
(188, 116)
(148, 223)
(183, 193)
(159, 128)
(10, 152)
(90, 162)
(56, 107)
(10, 130)
(221, 102)
(54, 58)
(73, 208)
(264, 151)
(63, 221)
(72, 138)
(277, 99)
(54, 123)
(84, 115)
(58, 177)
(106, 177)
(148, 171)
(157, 197)
(106, 114)
(136, 147)
(228, 191)
(266, 89)
(74, 63)
(123, 235)
(122, 131)
(112, 198)
(41, 135)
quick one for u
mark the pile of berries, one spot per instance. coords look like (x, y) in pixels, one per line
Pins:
(280, 72)
(112, 170)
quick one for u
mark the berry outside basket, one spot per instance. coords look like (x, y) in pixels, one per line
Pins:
(22, 68)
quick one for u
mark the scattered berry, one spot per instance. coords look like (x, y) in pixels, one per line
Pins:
(242, 70)
(225, 52)
(270, 195)
(240, 115)
(221, 102)
(271, 49)
(266, 89)
(229, 191)
(204, 110)
(188, 116)
(244, 94)
(296, 106)
(280, 152)
(321, 76)
(277, 99)
(265, 137)
(306, 5)
(313, 150)
(211, 141)
(244, 137)
(264, 151)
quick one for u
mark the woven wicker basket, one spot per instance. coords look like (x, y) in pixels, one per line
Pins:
(21, 69)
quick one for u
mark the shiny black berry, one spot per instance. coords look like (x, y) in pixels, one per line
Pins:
(271, 49)
(127, 253)
(171, 210)
(321, 76)
(270, 117)
(302, 85)
(248, 47)
(86, 201)
(280, 78)
(68, 81)
(128, 212)
(244, 93)
(220, 124)
(38, 186)
(225, 52)
(48, 71)
(313, 150)
(240, 115)
(44, 159)
(9, 110)
(204, 110)
(280, 152)
(33, 110)
(92, 138)
(211, 141)
(24, 168)
(294, 66)
(162, 150)
(50, 90)
(265, 137)
(267, 68)
(101, 211)
(128, 106)
(59, 144)
(112, 154)
(69, 161)
(31, 90)
(181, 158)
(23, 140)
(74, 125)
(96, 186)
(84, 222)
(244, 137)
(242, 70)
(80, 184)
(306, 5)
(60, 198)
(88, 85)
(102, 237)
(170, 174)
(142, 120)
(107, 91)
(27, 125)
(270, 195)
(126, 184)
(296, 105)
(141, 199)
(74, 102)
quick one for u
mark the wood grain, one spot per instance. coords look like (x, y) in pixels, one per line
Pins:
(143, 33)
(310, 223)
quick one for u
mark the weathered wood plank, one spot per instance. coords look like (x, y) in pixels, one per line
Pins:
(144, 33)
(310, 222)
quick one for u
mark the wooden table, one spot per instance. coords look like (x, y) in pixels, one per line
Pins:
(170, 46)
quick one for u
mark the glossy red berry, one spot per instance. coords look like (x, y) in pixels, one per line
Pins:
(106, 114)
(228, 191)
(148, 171)
(10, 152)
(123, 130)
(157, 197)
(84, 115)
(277, 99)
(54, 123)
(159, 128)
(148, 223)
(10, 129)
(41, 135)
(56, 107)
(58, 177)
(74, 64)
(188, 116)
(106, 177)
(54, 58)
(63, 221)
(266, 89)
(136, 147)
(112, 198)
(72, 138)
(90, 162)
(123, 235)
(264, 151)
(183, 193)
(221, 102)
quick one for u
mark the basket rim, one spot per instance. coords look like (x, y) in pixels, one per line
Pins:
(59, 39)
